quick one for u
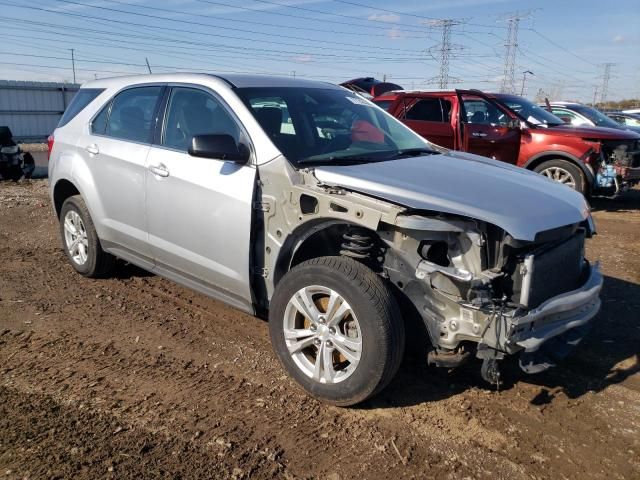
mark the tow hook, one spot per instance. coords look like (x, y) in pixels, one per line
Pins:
(490, 370)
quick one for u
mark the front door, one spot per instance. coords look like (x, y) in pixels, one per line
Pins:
(488, 130)
(199, 209)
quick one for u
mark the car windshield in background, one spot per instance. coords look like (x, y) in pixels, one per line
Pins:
(597, 117)
(530, 112)
(330, 126)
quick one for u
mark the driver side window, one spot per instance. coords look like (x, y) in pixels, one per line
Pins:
(194, 112)
(480, 112)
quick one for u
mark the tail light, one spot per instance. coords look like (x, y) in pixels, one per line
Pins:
(50, 141)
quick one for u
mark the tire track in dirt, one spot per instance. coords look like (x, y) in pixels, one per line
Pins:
(215, 394)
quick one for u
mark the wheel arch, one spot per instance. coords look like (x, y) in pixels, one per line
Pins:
(312, 240)
(62, 190)
(540, 158)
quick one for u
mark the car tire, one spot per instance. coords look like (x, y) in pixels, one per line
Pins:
(80, 240)
(351, 351)
(565, 172)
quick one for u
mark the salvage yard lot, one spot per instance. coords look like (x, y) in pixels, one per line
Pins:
(135, 376)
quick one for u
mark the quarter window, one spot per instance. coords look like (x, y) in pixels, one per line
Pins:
(99, 123)
(82, 98)
(132, 114)
(195, 112)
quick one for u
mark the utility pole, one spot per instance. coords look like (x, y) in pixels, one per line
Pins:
(605, 81)
(443, 51)
(595, 95)
(73, 64)
(511, 48)
(148, 66)
(524, 78)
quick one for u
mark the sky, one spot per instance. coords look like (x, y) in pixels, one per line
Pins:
(565, 44)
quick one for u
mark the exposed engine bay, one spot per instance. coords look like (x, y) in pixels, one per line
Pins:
(619, 166)
(477, 289)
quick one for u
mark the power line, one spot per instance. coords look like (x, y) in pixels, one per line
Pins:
(261, 24)
(398, 12)
(557, 45)
(189, 22)
(324, 20)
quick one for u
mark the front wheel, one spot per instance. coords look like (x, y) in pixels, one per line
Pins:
(336, 329)
(565, 172)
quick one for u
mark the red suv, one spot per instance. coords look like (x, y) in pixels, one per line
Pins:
(512, 129)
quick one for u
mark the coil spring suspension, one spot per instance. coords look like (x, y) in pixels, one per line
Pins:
(357, 244)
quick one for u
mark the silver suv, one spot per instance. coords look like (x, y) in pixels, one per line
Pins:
(305, 203)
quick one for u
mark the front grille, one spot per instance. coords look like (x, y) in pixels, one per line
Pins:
(557, 269)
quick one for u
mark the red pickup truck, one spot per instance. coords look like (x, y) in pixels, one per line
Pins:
(512, 129)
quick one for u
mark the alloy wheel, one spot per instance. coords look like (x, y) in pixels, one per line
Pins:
(322, 334)
(75, 237)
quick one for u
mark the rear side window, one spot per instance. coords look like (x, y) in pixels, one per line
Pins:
(429, 110)
(132, 114)
(83, 98)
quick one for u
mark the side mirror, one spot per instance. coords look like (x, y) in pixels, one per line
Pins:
(220, 147)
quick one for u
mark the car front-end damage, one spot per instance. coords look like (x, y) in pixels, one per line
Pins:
(480, 291)
(507, 278)
(491, 256)
(614, 164)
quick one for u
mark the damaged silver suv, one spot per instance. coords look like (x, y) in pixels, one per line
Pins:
(305, 203)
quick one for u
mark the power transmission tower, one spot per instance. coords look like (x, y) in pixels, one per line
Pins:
(443, 51)
(511, 48)
(605, 81)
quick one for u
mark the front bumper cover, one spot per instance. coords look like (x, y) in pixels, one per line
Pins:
(550, 331)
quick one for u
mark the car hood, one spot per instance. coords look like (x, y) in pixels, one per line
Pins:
(520, 202)
(601, 133)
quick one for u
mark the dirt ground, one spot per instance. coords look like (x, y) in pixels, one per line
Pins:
(136, 377)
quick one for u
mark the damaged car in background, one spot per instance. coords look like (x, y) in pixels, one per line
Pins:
(591, 160)
(304, 203)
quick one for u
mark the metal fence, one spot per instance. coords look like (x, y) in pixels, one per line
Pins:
(32, 109)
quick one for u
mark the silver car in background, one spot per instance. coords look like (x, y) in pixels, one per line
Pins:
(304, 203)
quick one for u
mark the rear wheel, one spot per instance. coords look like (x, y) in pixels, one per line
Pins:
(80, 240)
(336, 329)
(565, 172)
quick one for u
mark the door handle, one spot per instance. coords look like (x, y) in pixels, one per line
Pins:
(479, 134)
(92, 149)
(159, 170)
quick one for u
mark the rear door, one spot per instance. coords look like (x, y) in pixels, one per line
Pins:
(115, 149)
(199, 209)
(430, 117)
(487, 129)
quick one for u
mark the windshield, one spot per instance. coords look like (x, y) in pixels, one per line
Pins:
(329, 126)
(597, 117)
(529, 111)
